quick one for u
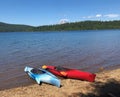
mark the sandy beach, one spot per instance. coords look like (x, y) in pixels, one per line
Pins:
(107, 84)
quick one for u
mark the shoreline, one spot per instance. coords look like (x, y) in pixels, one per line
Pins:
(107, 84)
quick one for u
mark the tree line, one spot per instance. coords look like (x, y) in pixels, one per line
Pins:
(83, 25)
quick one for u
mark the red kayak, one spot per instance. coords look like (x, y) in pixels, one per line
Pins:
(70, 73)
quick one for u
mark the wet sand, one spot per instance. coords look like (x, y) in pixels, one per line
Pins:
(107, 84)
(16, 77)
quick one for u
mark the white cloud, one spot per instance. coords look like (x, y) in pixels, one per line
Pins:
(93, 16)
(63, 21)
(112, 15)
(98, 15)
(88, 17)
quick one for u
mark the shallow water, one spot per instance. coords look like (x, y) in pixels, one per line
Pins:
(85, 50)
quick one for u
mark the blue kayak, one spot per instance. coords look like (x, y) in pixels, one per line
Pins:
(41, 75)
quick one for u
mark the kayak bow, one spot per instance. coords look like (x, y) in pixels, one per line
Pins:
(41, 75)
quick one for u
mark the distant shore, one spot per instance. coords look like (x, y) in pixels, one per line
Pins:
(70, 26)
(107, 84)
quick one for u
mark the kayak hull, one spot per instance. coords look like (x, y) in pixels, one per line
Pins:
(71, 73)
(42, 76)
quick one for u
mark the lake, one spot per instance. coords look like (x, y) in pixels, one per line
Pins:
(85, 50)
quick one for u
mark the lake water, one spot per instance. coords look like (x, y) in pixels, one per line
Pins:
(85, 50)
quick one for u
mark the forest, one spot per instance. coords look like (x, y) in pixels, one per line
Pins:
(83, 25)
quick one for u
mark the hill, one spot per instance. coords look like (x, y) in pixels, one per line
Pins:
(84, 25)
(4, 27)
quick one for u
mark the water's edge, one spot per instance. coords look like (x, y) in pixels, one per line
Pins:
(91, 51)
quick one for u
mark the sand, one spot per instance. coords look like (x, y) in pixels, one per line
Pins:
(107, 84)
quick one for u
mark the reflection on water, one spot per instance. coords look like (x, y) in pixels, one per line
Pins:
(85, 50)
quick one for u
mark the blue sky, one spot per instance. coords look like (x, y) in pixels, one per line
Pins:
(46, 12)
